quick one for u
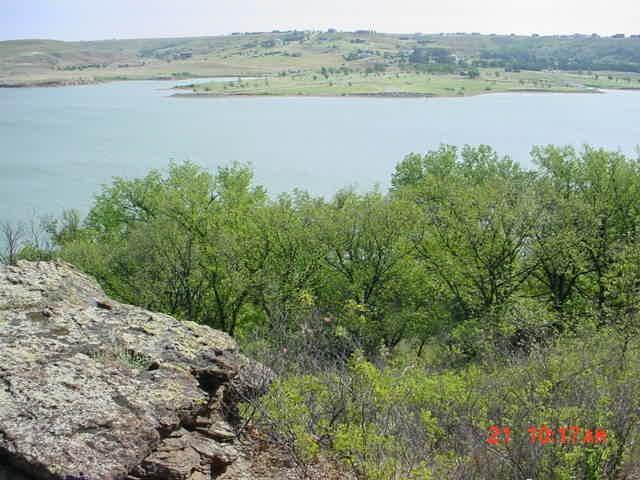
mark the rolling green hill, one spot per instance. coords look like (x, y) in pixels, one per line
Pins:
(50, 62)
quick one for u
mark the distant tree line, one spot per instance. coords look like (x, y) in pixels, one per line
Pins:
(544, 53)
(532, 53)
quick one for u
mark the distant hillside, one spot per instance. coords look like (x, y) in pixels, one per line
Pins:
(25, 62)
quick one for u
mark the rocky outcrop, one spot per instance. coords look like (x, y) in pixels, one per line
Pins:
(91, 387)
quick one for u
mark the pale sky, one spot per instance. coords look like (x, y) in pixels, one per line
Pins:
(104, 19)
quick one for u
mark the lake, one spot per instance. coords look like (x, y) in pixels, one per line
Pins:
(60, 144)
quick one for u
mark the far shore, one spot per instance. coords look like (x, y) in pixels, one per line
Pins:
(74, 82)
(249, 94)
(389, 95)
(402, 85)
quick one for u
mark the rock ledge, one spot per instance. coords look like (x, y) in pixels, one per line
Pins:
(110, 391)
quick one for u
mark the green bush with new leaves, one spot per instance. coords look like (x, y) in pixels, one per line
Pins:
(419, 418)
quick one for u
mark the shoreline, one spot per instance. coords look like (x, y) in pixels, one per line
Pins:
(51, 84)
(78, 82)
(390, 95)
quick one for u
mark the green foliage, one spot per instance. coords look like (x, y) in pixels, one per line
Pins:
(594, 201)
(365, 257)
(467, 246)
(408, 418)
(187, 243)
(404, 324)
(564, 53)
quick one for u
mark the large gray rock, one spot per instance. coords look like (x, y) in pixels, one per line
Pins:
(91, 386)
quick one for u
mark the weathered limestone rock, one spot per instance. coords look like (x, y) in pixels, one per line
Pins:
(91, 386)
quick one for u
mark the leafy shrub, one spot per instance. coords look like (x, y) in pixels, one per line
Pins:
(407, 418)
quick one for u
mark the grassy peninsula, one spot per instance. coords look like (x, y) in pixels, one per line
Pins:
(406, 84)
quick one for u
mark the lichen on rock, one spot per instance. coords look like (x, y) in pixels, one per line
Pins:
(92, 386)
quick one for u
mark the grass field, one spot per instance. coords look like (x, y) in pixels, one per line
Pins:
(412, 84)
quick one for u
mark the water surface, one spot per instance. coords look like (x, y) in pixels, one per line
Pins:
(60, 144)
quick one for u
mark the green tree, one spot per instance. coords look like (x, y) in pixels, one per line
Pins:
(477, 217)
(365, 259)
(590, 201)
(186, 243)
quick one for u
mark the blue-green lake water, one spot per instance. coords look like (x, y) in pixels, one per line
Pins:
(58, 145)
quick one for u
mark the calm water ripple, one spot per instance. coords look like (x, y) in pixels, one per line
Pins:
(60, 144)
